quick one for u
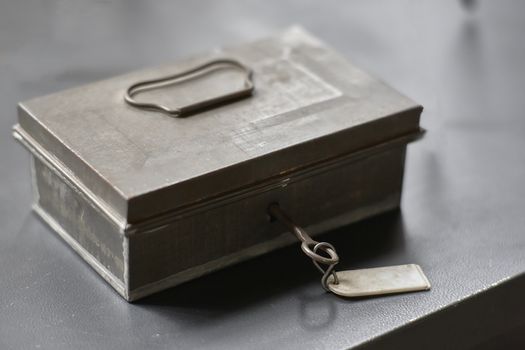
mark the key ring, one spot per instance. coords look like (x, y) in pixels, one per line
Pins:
(189, 74)
(310, 247)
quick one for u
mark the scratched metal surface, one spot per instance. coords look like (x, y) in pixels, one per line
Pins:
(145, 163)
(462, 211)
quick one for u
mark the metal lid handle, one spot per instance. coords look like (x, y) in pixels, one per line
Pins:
(189, 74)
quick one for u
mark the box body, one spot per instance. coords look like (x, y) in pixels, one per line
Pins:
(148, 258)
(151, 202)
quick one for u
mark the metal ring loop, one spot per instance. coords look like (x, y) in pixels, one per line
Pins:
(192, 73)
(326, 247)
(330, 270)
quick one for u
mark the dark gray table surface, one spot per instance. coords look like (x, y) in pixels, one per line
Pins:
(463, 208)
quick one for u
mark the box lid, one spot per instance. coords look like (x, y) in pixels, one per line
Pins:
(309, 105)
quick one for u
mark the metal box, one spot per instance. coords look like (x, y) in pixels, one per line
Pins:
(151, 201)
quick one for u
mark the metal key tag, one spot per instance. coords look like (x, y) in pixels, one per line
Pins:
(353, 283)
(379, 281)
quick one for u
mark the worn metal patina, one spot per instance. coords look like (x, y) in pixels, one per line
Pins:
(151, 201)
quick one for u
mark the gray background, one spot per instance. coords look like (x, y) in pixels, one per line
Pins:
(463, 210)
